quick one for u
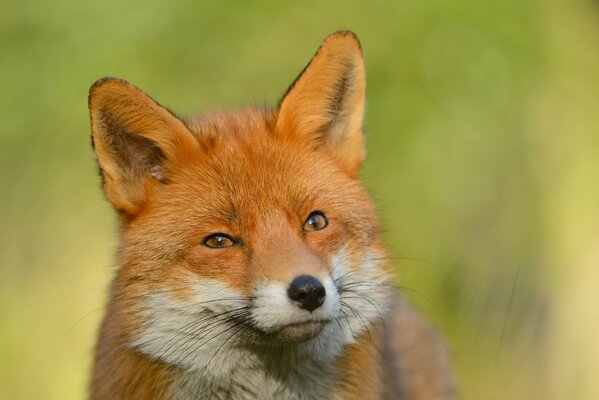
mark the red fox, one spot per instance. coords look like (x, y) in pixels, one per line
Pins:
(251, 264)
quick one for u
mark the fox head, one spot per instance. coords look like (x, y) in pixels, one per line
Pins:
(246, 230)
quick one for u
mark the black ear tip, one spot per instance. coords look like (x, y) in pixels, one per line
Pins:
(345, 33)
(103, 83)
(97, 85)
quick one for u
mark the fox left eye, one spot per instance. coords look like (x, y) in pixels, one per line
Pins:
(218, 241)
(315, 222)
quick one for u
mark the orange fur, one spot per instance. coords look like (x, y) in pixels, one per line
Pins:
(255, 176)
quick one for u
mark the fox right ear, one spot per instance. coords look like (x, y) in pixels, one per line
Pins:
(136, 140)
(325, 104)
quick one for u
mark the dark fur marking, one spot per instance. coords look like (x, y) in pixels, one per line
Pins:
(338, 33)
(134, 154)
(336, 103)
(296, 80)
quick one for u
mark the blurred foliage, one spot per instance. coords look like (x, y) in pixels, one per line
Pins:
(483, 136)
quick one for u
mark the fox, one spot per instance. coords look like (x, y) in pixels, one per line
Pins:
(251, 262)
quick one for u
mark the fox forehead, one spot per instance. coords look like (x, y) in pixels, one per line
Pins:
(243, 168)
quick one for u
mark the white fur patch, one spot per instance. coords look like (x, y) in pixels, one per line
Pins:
(273, 307)
(189, 334)
(364, 293)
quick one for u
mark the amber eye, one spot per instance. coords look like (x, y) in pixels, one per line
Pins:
(218, 241)
(315, 222)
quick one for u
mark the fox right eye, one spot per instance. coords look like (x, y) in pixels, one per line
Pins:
(218, 241)
(315, 222)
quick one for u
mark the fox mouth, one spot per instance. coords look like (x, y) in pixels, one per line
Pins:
(299, 331)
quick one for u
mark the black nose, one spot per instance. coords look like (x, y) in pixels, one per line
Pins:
(307, 291)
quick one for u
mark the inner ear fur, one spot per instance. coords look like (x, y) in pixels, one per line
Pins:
(325, 104)
(135, 140)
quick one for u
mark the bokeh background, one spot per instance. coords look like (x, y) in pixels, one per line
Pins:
(483, 138)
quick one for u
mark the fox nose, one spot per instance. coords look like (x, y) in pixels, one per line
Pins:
(307, 291)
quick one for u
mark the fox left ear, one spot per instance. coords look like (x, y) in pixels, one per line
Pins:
(325, 104)
(137, 142)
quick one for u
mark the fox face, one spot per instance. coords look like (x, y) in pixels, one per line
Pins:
(246, 236)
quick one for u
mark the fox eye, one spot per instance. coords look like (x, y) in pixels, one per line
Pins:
(315, 222)
(218, 241)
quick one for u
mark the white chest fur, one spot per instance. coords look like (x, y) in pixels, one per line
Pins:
(254, 378)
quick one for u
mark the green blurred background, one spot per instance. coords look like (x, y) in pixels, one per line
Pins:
(483, 137)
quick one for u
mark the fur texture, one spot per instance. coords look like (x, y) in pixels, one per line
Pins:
(191, 320)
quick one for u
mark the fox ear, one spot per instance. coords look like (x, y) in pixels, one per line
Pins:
(135, 139)
(325, 104)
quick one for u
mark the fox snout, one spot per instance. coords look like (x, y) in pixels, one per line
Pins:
(294, 295)
(296, 311)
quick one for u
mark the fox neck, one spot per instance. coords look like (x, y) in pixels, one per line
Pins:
(261, 377)
(294, 371)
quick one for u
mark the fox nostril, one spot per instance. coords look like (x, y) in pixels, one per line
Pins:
(307, 291)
